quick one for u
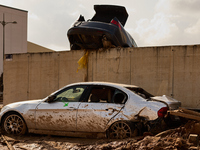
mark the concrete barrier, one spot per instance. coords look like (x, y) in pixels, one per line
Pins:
(169, 70)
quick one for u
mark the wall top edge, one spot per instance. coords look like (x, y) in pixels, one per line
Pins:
(129, 48)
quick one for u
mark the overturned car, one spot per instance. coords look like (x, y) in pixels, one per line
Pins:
(104, 30)
(81, 109)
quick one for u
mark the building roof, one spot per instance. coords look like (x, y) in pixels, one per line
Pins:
(13, 8)
(34, 48)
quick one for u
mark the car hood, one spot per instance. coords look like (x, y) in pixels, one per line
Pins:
(25, 102)
(31, 104)
(169, 101)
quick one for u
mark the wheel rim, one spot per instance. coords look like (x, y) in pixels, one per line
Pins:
(120, 130)
(14, 124)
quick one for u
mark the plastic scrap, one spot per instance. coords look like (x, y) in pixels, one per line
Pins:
(83, 61)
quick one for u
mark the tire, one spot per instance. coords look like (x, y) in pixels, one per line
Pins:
(120, 130)
(14, 124)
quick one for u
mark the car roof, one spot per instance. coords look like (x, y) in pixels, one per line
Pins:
(106, 83)
(105, 13)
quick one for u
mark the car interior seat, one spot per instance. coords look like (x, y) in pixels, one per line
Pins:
(119, 97)
(94, 98)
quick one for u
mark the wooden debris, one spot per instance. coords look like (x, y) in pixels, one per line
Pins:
(194, 138)
(10, 147)
(185, 113)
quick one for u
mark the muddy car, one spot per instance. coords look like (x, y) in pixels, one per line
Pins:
(87, 108)
(104, 30)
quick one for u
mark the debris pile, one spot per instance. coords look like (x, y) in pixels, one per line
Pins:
(171, 139)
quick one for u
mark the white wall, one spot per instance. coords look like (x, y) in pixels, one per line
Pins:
(15, 34)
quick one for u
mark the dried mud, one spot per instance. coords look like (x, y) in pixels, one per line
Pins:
(171, 139)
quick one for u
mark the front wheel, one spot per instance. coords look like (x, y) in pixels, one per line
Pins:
(120, 130)
(14, 124)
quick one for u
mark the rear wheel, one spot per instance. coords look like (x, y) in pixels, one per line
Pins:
(120, 130)
(14, 124)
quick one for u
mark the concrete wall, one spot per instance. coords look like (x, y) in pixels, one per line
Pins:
(15, 34)
(169, 70)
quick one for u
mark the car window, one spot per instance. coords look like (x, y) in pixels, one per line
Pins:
(105, 94)
(141, 92)
(119, 97)
(71, 94)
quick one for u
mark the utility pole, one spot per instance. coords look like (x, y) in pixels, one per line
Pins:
(4, 23)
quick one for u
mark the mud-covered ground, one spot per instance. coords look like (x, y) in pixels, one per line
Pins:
(171, 139)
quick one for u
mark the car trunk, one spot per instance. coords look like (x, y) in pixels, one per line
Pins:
(105, 13)
(169, 101)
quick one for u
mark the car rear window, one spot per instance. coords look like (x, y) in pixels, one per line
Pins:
(141, 92)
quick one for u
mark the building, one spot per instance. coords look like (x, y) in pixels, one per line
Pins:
(34, 48)
(15, 34)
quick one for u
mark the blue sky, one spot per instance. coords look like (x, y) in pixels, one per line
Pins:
(150, 22)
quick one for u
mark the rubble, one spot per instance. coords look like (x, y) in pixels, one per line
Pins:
(178, 138)
(194, 138)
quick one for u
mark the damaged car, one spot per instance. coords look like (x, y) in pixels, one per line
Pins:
(83, 109)
(104, 30)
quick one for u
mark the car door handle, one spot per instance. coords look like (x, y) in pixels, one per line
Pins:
(112, 109)
(107, 109)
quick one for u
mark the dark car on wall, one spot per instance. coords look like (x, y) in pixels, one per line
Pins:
(104, 30)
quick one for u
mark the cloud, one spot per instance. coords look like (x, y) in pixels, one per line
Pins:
(186, 14)
(48, 20)
(185, 6)
(157, 30)
(194, 29)
(179, 7)
(157, 22)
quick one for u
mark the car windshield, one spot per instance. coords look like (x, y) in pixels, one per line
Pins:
(141, 92)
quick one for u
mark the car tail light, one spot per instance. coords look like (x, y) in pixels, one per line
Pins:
(116, 22)
(162, 112)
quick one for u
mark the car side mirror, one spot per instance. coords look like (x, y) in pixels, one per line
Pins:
(50, 98)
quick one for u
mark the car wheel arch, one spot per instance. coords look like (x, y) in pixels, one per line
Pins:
(7, 114)
(11, 112)
(117, 117)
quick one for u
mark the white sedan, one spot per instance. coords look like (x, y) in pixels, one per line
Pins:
(87, 108)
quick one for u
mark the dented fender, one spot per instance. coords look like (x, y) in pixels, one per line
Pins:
(134, 114)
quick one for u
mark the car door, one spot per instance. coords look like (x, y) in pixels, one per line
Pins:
(101, 106)
(60, 113)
